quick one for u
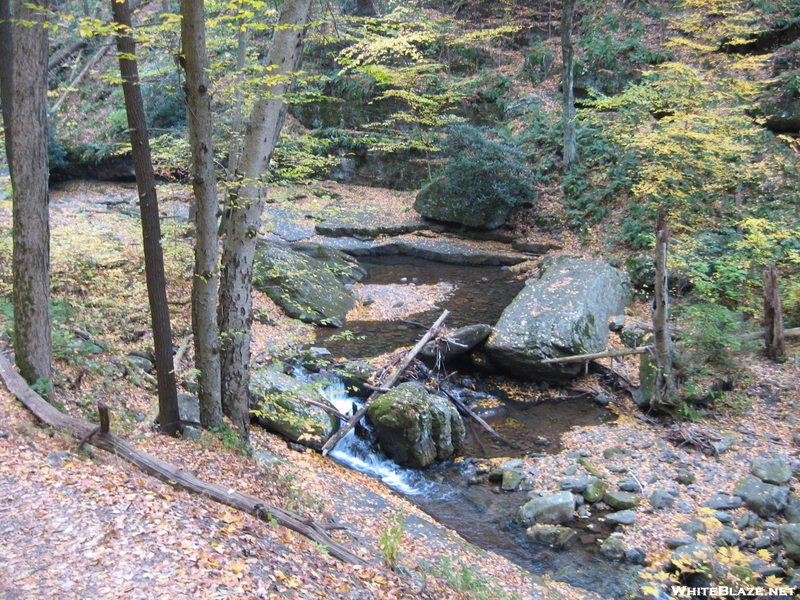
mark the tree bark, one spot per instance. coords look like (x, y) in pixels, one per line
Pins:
(568, 87)
(169, 418)
(101, 437)
(24, 94)
(666, 393)
(246, 204)
(774, 337)
(365, 8)
(204, 182)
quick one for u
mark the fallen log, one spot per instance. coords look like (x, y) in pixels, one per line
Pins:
(102, 438)
(757, 335)
(384, 385)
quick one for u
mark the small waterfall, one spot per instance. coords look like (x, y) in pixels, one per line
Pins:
(358, 455)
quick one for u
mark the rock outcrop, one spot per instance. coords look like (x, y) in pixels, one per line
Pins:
(563, 313)
(302, 286)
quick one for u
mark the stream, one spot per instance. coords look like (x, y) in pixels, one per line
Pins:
(482, 514)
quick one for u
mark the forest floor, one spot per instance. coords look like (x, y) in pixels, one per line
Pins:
(83, 524)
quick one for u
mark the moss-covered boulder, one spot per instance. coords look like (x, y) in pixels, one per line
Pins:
(302, 286)
(277, 403)
(563, 313)
(438, 201)
(416, 428)
(340, 264)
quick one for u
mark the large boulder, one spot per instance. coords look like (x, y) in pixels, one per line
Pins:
(277, 403)
(341, 265)
(563, 313)
(300, 285)
(437, 201)
(416, 428)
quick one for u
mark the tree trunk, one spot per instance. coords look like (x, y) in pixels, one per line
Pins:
(245, 209)
(568, 91)
(204, 183)
(666, 393)
(169, 419)
(236, 117)
(775, 340)
(24, 93)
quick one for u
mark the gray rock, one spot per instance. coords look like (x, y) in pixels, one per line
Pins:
(642, 270)
(574, 484)
(629, 484)
(595, 490)
(459, 342)
(416, 428)
(341, 265)
(570, 470)
(694, 527)
(612, 548)
(635, 556)
(613, 451)
(764, 499)
(694, 555)
(677, 542)
(354, 375)
(563, 313)
(792, 510)
(772, 470)
(790, 538)
(661, 499)
(189, 409)
(143, 363)
(623, 517)
(191, 433)
(511, 479)
(748, 519)
(723, 502)
(277, 405)
(728, 537)
(622, 500)
(553, 510)
(631, 336)
(436, 201)
(552, 535)
(722, 516)
(684, 477)
(303, 287)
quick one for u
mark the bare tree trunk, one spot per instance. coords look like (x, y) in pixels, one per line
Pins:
(666, 393)
(24, 93)
(568, 91)
(775, 340)
(365, 8)
(204, 183)
(236, 118)
(246, 205)
(169, 419)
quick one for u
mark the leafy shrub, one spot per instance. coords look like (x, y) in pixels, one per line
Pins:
(482, 171)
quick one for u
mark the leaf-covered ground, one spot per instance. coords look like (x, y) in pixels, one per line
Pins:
(83, 524)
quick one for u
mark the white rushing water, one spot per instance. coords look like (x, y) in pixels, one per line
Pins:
(357, 454)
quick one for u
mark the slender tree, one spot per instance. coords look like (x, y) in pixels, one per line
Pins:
(23, 85)
(568, 86)
(246, 204)
(204, 183)
(168, 415)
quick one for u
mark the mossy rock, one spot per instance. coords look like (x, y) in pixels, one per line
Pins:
(278, 406)
(416, 428)
(302, 286)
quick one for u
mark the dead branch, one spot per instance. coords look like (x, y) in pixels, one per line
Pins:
(166, 472)
(757, 335)
(390, 381)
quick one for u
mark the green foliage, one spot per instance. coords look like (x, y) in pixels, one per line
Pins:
(485, 172)
(711, 331)
(462, 578)
(391, 538)
(231, 438)
(300, 159)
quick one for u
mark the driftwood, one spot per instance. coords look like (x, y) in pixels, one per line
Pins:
(757, 335)
(102, 438)
(390, 381)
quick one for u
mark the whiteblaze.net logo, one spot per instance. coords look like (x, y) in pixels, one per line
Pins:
(679, 591)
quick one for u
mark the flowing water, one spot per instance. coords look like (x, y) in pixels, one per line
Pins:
(481, 514)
